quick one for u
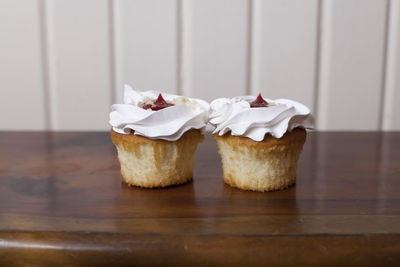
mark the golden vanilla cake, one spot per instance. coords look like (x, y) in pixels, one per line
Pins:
(156, 135)
(259, 140)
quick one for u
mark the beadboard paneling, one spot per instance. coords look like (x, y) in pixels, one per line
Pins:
(284, 49)
(215, 48)
(64, 62)
(79, 63)
(391, 104)
(147, 38)
(21, 77)
(352, 57)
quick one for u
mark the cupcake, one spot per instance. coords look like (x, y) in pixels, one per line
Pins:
(156, 135)
(259, 140)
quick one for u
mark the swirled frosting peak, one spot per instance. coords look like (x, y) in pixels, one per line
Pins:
(236, 116)
(168, 123)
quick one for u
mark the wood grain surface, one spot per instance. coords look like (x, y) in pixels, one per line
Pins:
(62, 202)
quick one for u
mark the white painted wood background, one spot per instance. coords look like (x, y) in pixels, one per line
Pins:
(64, 62)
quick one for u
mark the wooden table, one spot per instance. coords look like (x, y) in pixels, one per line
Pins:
(62, 202)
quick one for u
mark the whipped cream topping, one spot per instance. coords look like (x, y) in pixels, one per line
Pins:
(168, 123)
(236, 116)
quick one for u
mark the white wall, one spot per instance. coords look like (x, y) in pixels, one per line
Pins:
(64, 62)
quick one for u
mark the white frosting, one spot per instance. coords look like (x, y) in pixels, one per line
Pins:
(168, 123)
(236, 116)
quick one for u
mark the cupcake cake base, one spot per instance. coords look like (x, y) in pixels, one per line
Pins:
(154, 163)
(267, 165)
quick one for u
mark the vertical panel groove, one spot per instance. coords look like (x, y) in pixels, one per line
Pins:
(324, 62)
(249, 46)
(117, 52)
(318, 41)
(255, 45)
(44, 59)
(111, 27)
(185, 47)
(179, 44)
(389, 95)
(384, 65)
(48, 64)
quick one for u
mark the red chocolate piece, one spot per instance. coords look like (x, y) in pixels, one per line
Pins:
(259, 102)
(158, 104)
